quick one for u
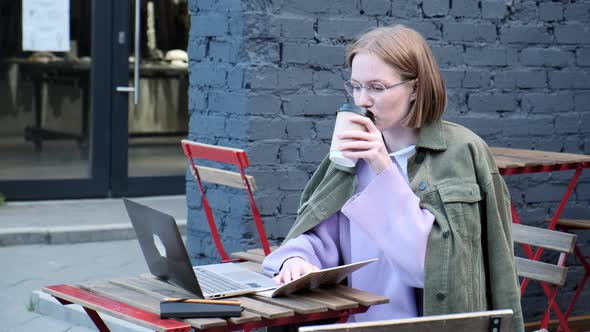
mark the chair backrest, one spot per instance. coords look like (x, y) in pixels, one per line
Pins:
(492, 321)
(194, 150)
(543, 238)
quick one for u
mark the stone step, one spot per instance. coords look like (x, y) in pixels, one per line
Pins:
(13, 236)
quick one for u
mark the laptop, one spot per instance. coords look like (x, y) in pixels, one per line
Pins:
(167, 259)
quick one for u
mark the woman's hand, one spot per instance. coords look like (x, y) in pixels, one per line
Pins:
(367, 145)
(292, 269)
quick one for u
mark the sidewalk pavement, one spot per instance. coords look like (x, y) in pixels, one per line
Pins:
(54, 242)
(26, 269)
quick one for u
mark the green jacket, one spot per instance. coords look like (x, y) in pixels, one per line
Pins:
(469, 255)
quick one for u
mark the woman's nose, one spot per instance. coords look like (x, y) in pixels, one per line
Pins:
(363, 99)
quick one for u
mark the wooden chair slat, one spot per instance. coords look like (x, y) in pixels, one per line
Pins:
(264, 309)
(544, 238)
(294, 302)
(474, 321)
(357, 295)
(223, 177)
(574, 223)
(540, 271)
(248, 256)
(143, 301)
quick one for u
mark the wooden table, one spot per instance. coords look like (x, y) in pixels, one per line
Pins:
(518, 161)
(136, 300)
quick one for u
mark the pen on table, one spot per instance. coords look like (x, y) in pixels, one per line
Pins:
(174, 299)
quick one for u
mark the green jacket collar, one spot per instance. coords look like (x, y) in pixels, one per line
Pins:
(431, 136)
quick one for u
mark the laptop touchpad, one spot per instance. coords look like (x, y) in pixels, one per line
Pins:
(250, 278)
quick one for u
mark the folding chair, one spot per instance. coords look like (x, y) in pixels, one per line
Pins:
(193, 150)
(544, 273)
(492, 321)
(568, 225)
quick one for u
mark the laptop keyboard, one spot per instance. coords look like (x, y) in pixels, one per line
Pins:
(212, 283)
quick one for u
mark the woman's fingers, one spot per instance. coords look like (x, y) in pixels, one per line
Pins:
(365, 121)
(366, 154)
(296, 274)
(356, 135)
(356, 145)
(294, 270)
(312, 268)
(287, 276)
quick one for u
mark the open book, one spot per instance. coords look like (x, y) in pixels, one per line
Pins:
(316, 279)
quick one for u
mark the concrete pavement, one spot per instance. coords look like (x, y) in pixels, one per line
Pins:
(29, 267)
(53, 242)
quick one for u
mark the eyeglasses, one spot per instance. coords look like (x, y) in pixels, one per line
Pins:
(373, 88)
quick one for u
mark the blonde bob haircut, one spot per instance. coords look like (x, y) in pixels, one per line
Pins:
(406, 50)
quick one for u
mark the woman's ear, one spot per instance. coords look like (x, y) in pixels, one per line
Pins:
(414, 90)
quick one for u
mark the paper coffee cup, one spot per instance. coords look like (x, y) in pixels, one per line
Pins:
(343, 123)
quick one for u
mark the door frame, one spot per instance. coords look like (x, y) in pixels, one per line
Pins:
(97, 185)
(120, 182)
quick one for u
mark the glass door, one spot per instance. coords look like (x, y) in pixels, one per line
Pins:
(55, 96)
(150, 112)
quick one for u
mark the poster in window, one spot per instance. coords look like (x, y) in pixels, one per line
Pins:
(46, 25)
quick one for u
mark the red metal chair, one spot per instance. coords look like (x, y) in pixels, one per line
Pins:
(551, 277)
(569, 225)
(237, 157)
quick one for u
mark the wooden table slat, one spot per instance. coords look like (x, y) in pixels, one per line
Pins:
(529, 157)
(264, 309)
(255, 307)
(505, 162)
(540, 155)
(511, 158)
(158, 290)
(151, 286)
(575, 223)
(362, 297)
(114, 308)
(245, 317)
(295, 302)
(333, 302)
(122, 294)
(146, 302)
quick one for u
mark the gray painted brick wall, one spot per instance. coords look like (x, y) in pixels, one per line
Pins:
(266, 76)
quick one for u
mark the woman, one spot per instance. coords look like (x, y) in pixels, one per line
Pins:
(425, 197)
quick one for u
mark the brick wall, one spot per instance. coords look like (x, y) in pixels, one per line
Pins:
(267, 76)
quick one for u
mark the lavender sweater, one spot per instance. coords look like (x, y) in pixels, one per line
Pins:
(382, 220)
